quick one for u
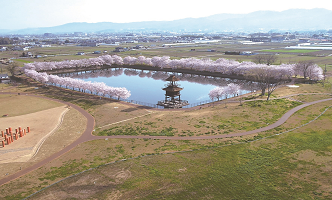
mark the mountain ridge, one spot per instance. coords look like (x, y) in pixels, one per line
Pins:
(289, 20)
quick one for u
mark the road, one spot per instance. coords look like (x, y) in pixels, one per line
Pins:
(87, 134)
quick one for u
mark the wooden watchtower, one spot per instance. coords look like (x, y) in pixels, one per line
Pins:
(172, 96)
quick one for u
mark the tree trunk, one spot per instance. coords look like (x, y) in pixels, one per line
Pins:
(263, 91)
(268, 97)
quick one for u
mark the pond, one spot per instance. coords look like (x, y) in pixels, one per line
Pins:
(146, 86)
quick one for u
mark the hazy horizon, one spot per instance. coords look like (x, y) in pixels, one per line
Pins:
(20, 14)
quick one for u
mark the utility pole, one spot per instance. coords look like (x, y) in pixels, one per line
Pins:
(324, 74)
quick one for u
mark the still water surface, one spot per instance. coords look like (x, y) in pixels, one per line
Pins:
(146, 86)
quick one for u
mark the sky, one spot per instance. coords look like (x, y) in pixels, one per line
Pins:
(19, 14)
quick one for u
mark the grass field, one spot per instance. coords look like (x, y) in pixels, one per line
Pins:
(295, 165)
(213, 120)
(13, 105)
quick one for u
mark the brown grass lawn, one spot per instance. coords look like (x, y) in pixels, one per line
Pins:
(212, 120)
(14, 105)
(303, 88)
(109, 182)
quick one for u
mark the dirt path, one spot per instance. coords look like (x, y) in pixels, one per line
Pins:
(87, 135)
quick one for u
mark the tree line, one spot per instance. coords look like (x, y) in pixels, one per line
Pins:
(268, 76)
(5, 41)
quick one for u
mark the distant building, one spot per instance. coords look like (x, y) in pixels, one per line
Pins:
(48, 34)
(4, 78)
(247, 53)
(90, 44)
(278, 38)
(79, 34)
(138, 47)
(45, 45)
(3, 49)
(304, 40)
(18, 48)
(29, 54)
(232, 53)
(119, 49)
(5, 61)
(260, 39)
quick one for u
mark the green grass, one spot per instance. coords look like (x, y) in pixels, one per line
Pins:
(23, 61)
(266, 169)
(270, 170)
(237, 172)
(268, 113)
(137, 130)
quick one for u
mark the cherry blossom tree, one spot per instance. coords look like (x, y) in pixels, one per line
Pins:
(269, 77)
(233, 89)
(219, 92)
(308, 69)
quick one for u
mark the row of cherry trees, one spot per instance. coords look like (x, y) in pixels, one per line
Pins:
(220, 92)
(98, 88)
(224, 66)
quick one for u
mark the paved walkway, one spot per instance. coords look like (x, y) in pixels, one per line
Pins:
(87, 134)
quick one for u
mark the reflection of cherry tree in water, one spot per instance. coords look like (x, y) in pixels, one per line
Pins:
(161, 75)
(110, 72)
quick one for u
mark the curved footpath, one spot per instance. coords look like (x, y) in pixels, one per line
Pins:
(87, 134)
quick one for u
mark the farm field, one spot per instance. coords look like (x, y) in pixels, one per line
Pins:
(321, 57)
(292, 165)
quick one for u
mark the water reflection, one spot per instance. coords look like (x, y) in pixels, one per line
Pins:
(145, 85)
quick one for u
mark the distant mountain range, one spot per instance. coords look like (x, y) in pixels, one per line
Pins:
(289, 20)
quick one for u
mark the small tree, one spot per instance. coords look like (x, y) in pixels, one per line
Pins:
(268, 59)
(12, 68)
(302, 68)
(268, 78)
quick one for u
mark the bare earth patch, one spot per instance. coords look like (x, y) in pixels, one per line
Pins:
(42, 124)
(115, 112)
